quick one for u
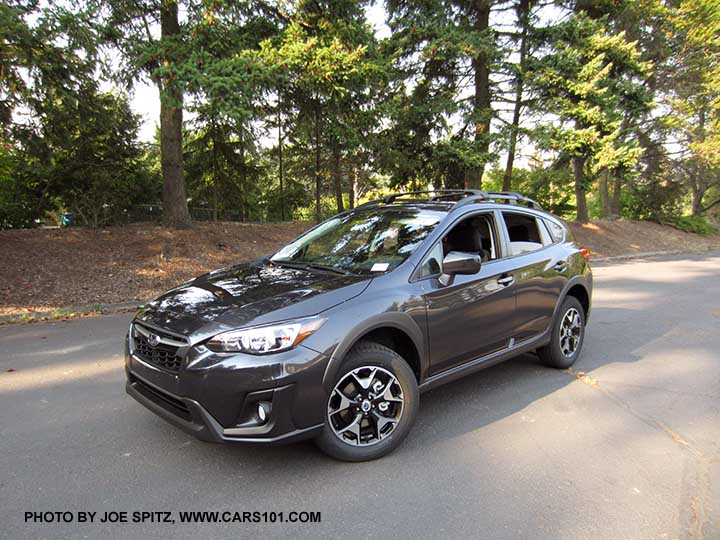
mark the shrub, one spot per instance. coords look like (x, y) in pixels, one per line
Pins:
(694, 224)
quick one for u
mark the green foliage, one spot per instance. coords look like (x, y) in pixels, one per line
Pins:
(16, 203)
(617, 97)
(326, 71)
(551, 186)
(589, 81)
(101, 189)
(31, 57)
(437, 133)
(657, 200)
(70, 146)
(81, 157)
(297, 200)
(694, 224)
(696, 96)
(307, 213)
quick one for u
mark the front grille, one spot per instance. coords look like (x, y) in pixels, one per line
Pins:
(162, 355)
(165, 400)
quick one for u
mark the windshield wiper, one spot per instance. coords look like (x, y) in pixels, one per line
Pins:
(306, 265)
(329, 268)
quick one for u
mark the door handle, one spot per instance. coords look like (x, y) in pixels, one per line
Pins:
(505, 280)
(561, 266)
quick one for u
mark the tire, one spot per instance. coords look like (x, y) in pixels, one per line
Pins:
(391, 387)
(563, 353)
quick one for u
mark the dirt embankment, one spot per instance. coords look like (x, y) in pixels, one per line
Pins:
(53, 268)
(622, 237)
(45, 269)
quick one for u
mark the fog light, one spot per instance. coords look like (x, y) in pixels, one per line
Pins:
(263, 411)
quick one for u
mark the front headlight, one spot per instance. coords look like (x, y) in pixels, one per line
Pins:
(266, 339)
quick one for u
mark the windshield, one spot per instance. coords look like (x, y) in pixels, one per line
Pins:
(365, 241)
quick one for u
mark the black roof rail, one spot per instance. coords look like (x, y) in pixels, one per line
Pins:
(519, 197)
(469, 196)
(442, 193)
(508, 196)
(436, 195)
(456, 192)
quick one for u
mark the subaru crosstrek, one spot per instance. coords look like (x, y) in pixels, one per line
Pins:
(335, 336)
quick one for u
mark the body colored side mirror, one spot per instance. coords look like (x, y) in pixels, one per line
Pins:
(459, 262)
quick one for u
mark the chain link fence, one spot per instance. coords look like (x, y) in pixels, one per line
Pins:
(153, 213)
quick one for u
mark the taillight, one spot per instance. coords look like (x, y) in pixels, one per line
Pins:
(585, 252)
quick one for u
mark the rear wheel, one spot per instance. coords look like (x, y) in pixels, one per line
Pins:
(372, 405)
(568, 333)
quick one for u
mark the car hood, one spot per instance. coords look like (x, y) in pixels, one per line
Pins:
(248, 294)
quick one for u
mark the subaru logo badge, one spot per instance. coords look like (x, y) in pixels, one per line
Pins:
(153, 340)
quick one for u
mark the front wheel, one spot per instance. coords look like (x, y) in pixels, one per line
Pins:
(372, 405)
(568, 334)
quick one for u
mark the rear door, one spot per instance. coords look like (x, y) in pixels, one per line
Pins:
(473, 314)
(540, 270)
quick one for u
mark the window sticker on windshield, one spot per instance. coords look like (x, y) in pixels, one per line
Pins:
(379, 267)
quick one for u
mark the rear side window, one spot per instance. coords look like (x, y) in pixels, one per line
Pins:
(525, 233)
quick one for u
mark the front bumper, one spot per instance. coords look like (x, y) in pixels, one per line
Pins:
(215, 399)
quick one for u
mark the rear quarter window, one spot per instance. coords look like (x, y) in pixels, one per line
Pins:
(557, 232)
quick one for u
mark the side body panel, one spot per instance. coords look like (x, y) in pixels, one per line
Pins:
(470, 317)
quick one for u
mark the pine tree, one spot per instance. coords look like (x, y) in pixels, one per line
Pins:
(586, 82)
(321, 64)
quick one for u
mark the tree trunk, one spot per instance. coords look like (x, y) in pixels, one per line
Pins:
(697, 183)
(243, 208)
(175, 208)
(618, 174)
(318, 211)
(697, 197)
(578, 163)
(617, 191)
(482, 106)
(523, 20)
(337, 178)
(215, 199)
(216, 170)
(604, 194)
(280, 171)
(353, 186)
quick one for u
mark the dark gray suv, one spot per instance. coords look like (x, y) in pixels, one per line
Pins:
(335, 336)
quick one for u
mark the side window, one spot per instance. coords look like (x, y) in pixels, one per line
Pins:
(524, 233)
(556, 231)
(476, 234)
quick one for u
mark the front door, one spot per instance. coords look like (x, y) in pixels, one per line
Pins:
(472, 315)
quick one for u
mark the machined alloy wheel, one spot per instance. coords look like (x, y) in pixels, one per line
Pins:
(371, 405)
(365, 406)
(567, 335)
(570, 330)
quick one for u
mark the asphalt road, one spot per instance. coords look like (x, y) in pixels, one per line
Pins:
(629, 451)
